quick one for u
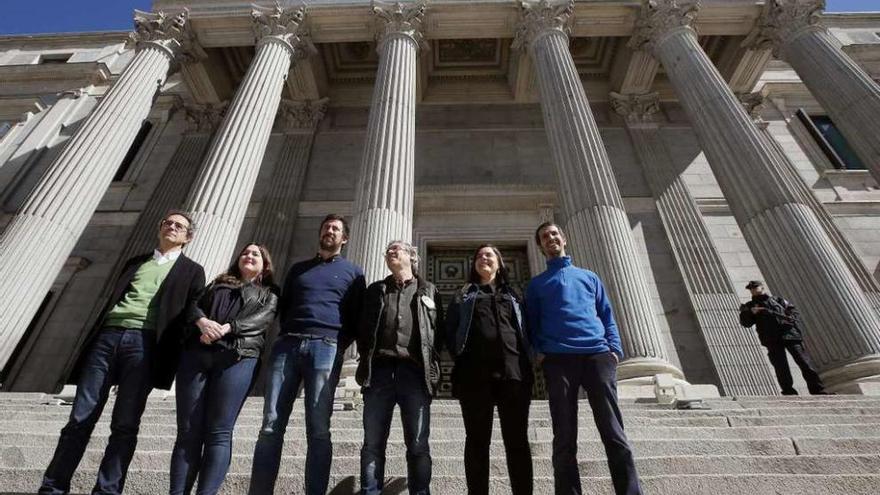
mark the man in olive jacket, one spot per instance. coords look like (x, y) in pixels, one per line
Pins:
(399, 340)
(778, 325)
(135, 344)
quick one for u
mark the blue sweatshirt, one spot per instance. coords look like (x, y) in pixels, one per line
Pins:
(322, 298)
(569, 313)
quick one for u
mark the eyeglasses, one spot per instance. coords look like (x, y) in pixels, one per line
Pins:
(177, 226)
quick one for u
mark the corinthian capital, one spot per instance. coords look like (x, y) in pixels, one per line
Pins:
(542, 17)
(279, 24)
(170, 32)
(636, 109)
(398, 18)
(658, 18)
(782, 21)
(204, 118)
(293, 115)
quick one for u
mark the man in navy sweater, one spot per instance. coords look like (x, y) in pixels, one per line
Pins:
(319, 307)
(572, 327)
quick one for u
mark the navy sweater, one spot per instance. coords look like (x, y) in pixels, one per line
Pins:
(569, 312)
(322, 298)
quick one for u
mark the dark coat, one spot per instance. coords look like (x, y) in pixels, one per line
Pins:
(428, 317)
(177, 296)
(247, 334)
(777, 323)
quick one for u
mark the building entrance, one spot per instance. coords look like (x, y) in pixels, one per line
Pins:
(448, 267)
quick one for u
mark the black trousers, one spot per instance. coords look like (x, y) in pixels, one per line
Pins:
(776, 353)
(597, 374)
(478, 401)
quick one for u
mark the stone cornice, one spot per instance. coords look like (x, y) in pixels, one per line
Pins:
(636, 109)
(301, 115)
(541, 18)
(660, 18)
(784, 20)
(399, 19)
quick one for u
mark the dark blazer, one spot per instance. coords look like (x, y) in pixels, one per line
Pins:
(177, 295)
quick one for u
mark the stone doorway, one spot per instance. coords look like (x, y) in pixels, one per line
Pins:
(448, 267)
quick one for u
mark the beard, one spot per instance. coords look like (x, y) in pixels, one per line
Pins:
(330, 244)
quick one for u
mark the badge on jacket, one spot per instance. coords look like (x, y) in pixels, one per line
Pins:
(428, 302)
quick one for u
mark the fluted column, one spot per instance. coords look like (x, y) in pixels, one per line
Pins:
(383, 204)
(277, 218)
(849, 95)
(788, 242)
(735, 352)
(753, 103)
(41, 236)
(598, 228)
(222, 190)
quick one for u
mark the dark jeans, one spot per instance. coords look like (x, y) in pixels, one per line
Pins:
(116, 357)
(400, 383)
(212, 385)
(478, 401)
(597, 374)
(776, 353)
(315, 364)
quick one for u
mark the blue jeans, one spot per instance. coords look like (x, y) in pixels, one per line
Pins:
(315, 364)
(597, 374)
(117, 356)
(212, 385)
(400, 383)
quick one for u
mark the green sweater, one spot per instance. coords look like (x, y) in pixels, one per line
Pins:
(137, 308)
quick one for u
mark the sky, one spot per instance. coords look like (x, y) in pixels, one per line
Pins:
(60, 16)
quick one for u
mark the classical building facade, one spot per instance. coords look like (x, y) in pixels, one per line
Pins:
(685, 147)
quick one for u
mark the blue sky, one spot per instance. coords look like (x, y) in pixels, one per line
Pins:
(57, 16)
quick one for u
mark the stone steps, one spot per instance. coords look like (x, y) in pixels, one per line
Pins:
(799, 446)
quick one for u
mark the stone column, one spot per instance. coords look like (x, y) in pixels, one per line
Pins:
(735, 352)
(222, 191)
(753, 103)
(383, 204)
(849, 95)
(791, 248)
(39, 239)
(598, 229)
(277, 218)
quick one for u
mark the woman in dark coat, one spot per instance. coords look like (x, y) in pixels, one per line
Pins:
(492, 368)
(218, 367)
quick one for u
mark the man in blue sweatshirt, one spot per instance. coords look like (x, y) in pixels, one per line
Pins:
(572, 327)
(319, 307)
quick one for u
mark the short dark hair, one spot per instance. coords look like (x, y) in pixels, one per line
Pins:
(334, 216)
(184, 214)
(544, 226)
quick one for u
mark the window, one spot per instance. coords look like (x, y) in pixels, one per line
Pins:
(4, 128)
(831, 141)
(54, 58)
(133, 150)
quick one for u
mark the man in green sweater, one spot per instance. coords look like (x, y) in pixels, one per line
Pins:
(134, 344)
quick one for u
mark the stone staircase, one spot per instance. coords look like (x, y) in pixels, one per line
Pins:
(753, 445)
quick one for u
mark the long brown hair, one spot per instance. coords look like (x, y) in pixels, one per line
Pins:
(233, 276)
(501, 278)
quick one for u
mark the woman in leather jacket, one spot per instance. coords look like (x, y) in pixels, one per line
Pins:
(493, 367)
(218, 367)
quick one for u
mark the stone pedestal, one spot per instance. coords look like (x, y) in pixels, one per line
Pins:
(39, 239)
(222, 191)
(383, 204)
(735, 352)
(788, 242)
(600, 237)
(849, 95)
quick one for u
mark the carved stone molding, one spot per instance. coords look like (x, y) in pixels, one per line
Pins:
(783, 20)
(542, 17)
(293, 115)
(636, 109)
(204, 118)
(659, 18)
(399, 18)
(284, 25)
(754, 103)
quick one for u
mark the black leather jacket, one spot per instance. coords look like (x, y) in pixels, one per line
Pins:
(430, 323)
(247, 334)
(777, 322)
